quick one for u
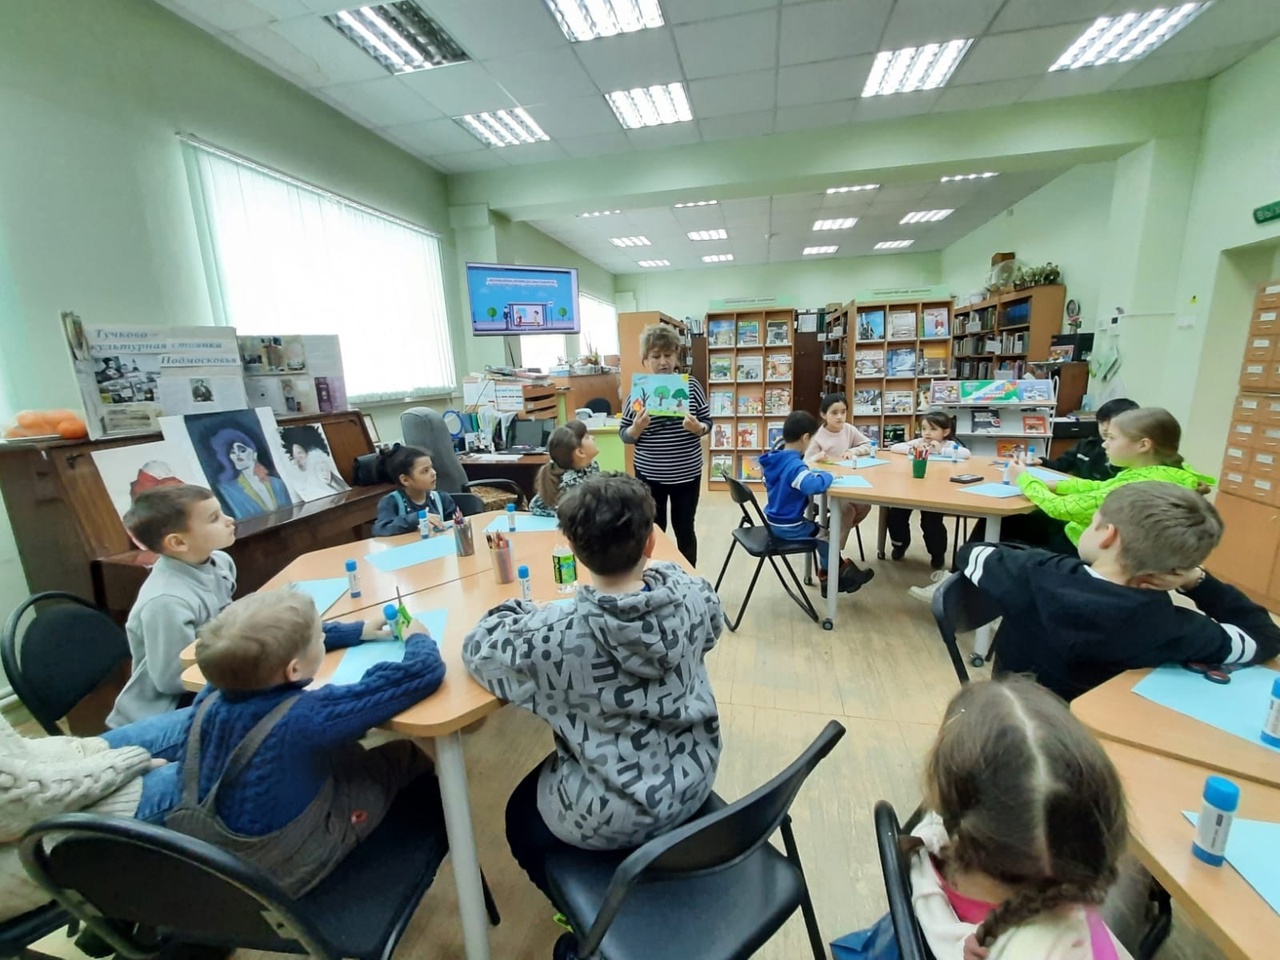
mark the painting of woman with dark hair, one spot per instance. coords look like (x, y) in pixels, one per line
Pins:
(245, 486)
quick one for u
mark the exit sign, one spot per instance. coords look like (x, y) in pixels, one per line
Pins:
(1267, 213)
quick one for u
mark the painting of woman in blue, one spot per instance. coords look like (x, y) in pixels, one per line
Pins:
(245, 486)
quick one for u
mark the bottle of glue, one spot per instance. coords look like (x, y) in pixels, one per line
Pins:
(1221, 798)
(1271, 726)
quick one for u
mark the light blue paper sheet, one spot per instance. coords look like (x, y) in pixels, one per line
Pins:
(1000, 491)
(861, 463)
(525, 523)
(324, 592)
(1238, 707)
(356, 660)
(397, 558)
(1253, 848)
(847, 481)
(1048, 476)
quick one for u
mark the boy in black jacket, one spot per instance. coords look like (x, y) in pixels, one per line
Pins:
(1087, 459)
(1075, 624)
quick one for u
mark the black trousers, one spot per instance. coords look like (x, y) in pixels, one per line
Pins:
(1034, 529)
(683, 498)
(932, 525)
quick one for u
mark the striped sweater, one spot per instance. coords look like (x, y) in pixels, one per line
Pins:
(666, 452)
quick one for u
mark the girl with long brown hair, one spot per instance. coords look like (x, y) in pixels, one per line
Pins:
(572, 453)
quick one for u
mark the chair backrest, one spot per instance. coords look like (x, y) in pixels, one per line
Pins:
(897, 885)
(745, 497)
(162, 880)
(959, 606)
(422, 427)
(600, 405)
(62, 653)
(468, 503)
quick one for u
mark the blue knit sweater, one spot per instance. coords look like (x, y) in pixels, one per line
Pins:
(293, 762)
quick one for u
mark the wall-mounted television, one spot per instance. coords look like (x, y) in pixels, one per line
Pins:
(507, 300)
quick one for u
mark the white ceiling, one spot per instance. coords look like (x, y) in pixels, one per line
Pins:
(753, 68)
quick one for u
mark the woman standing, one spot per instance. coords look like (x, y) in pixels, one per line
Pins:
(669, 450)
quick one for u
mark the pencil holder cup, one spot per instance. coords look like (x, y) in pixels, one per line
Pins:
(463, 539)
(504, 564)
(918, 468)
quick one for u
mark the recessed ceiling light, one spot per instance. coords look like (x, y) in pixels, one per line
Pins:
(698, 203)
(589, 19)
(926, 216)
(969, 176)
(653, 263)
(915, 68)
(843, 223)
(630, 241)
(893, 244)
(708, 234)
(718, 258)
(854, 189)
(818, 251)
(1128, 37)
(503, 128)
(650, 106)
(399, 36)
(599, 213)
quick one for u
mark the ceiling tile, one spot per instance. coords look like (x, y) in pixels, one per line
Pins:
(468, 162)
(460, 88)
(740, 93)
(312, 51)
(733, 45)
(898, 105)
(810, 116)
(1175, 68)
(435, 137)
(380, 103)
(978, 96)
(1028, 53)
(1028, 14)
(823, 82)
(277, 9)
(638, 59)
(502, 28)
(538, 78)
(796, 202)
(598, 145)
(668, 135)
(1226, 24)
(583, 117)
(325, 7)
(758, 124)
(1071, 83)
(688, 11)
(527, 153)
(832, 29)
(916, 22)
(227, 15)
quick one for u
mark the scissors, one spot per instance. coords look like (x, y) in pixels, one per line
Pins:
(1213, 672)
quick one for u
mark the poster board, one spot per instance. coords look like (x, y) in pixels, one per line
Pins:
(293, 374)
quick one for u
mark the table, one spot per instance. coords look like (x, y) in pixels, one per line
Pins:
(1117, 714)
(893, 486)
(1217, 899)
(467, 587)
(521, 472)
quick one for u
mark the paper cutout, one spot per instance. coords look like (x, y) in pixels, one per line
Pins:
(1000, 491)
(861, 463)
(1253, 849)
(324, 592)
(525, 523)
(356, 660)
(397, 558)
(847, 481)
(1238, 707)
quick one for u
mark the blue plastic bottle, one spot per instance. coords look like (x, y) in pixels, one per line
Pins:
(1221, 798)
(511, 518)
(353, 578)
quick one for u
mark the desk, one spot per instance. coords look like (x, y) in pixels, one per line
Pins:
(1217, 899)
(893, 486)
(460, 701)
(1115, 713)
(521, 471)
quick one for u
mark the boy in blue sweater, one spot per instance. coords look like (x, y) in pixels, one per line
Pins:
(789, 483)
(274, 771)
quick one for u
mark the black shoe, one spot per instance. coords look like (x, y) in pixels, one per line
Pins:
(822, 585)
(899, 550)
(852, 579)
(938, 563)
(566, 948)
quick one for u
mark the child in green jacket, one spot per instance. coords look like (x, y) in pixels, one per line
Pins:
(1143, 443)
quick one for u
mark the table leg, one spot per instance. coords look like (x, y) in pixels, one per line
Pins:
(833, 563)
(451, 768)
(882, 530)
(983, 638)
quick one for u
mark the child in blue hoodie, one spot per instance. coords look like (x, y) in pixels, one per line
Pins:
(790, 483)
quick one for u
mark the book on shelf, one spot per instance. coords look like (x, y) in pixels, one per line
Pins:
(1009, 449)
(722, 436)
(749, 468)
(1062, 352)
(922, 397)
(901, 362)
(776, 333)
(989, 391)
(748, 436)
(866, 402)
(898, 402)
(720, 370)
(1034, 391)
(902, 325)
(944, 391)
(750, 369)
(985, 421)
(868, 362)
(772, 434)
(894, 433)
(871, 325)
(871, 431)
(750, 405)
(721, 466)
(777, 401)
(721, 403)
(748, 333)
(720, 333)
(934, 323)
(931, 366)
(1034, 423)
(779, 366)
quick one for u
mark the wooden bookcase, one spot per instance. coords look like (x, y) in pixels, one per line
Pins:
(750, 383)
(1001, 335)
(630, 326)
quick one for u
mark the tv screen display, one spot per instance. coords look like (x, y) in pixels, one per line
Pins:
(515, 301)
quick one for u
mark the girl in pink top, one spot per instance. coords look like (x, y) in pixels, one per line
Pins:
(835, 440)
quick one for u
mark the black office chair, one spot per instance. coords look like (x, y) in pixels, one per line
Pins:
(469, 503)
(897, 885)
(66, 650)
(714, 888)
(961, 607)
(599, 405)
(143, 888)
(756, 537)
(24, 930)
(425, 429)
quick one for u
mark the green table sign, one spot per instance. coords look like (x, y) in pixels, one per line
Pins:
(1266, 214)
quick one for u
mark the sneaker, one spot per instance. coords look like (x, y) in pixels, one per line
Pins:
(852, 579)
(899, 551)
(926, 593)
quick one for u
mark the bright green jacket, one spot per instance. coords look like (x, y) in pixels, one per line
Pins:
(1076, 500)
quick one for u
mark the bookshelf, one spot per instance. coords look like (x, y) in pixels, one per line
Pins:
(833, 340)
(998, 337)
(750, 382)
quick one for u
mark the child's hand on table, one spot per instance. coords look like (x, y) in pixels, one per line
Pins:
(374, 627)
(415, 626)
(1017, 467)
(862, 451)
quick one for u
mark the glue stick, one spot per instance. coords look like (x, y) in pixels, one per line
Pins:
(1221, 797)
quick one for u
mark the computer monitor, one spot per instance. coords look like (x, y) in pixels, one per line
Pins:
(530, 433)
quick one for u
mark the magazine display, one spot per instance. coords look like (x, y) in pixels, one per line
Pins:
(750, 369)
(902, 362)
(934, 324)
(779, 366)
(868, 362)
(776, 333)
(748, 333)
(720, 370)
(722, 436)
(897, 402)
(721, 466)
(866, 402)
(902, 325)
(986, 421)
(721, 403)
(871, 325)
(750, 405)
(777, 401)
(720, 333)
(748, 436)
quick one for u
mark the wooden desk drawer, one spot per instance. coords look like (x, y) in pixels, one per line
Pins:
(1269, 410)
(1260, 489)
(1259, 348)
(1248, 408)
(1273, 376)
(1232, 481)
(1265, 465)
(1268, 296)
(1266, 322)
(1268, 439)
(1238, 459)
(1242, 434)
(1255, 375)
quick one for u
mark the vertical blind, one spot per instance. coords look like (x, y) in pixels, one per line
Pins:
(284, 257)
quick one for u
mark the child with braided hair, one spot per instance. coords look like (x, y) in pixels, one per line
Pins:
(571, 452)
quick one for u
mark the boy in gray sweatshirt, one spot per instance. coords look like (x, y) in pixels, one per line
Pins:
(619, 673)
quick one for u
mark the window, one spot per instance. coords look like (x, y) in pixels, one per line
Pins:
(599, 326)
(286, 257)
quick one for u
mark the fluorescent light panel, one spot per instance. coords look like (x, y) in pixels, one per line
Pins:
(893, 244)
(926, 216)
(599, 213)
(842, 223)
(854, 189)
(1126, 37)
(718, 258)
(915, 68)
(588, 19)
(503, 128)
(697, 203)
(969, 176)
(650, 106)
(400, 36)
(818, 251)
(630, 241)
(653, 263)
(708, 234)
